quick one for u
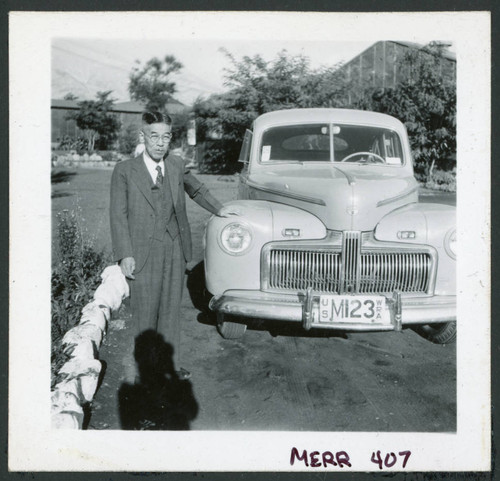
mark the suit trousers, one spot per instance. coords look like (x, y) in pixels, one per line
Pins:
(156, 292)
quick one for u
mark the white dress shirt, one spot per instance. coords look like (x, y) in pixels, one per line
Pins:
(151, 166)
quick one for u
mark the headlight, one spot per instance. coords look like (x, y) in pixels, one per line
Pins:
(236, 238)
(450, 243)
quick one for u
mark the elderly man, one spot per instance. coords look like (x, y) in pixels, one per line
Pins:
(150, 231)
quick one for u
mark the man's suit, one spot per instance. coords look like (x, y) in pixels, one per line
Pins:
(161, 246)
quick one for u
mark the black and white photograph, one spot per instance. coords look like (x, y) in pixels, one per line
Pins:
(263, 241)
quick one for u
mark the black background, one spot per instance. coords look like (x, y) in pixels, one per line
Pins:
(256, 5)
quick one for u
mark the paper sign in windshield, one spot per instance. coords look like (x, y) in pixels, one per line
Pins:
(393, 160)
(266, 153)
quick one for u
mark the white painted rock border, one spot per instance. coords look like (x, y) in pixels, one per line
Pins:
(83, 342)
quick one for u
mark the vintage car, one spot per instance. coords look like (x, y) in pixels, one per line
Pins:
(329, 233)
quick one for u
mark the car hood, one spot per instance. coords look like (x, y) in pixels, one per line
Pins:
(342, 197)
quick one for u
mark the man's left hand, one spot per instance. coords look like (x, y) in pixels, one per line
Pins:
(228, 212)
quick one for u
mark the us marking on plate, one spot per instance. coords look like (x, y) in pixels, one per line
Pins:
(351, 309)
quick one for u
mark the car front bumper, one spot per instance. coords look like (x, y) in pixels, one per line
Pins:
(404, 311)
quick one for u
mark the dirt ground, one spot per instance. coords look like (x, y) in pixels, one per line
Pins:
(276, 377)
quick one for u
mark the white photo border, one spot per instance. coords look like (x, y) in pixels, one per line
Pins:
(33, 446)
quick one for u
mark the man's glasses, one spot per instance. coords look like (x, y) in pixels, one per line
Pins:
(155, 138)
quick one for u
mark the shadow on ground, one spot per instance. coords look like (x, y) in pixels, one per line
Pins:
(61, 176)
(58, 178)
(197, 288)
(56, 195)
(200, 298)
(158, 400)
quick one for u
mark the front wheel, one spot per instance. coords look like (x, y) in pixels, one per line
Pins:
(443, 333)
(228, 329)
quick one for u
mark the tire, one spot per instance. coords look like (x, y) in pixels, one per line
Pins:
(443, 333)
(228, 329)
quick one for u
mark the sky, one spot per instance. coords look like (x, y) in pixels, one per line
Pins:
(83, 66)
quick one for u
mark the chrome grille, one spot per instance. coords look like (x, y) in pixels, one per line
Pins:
(388, 272)
(349, 269)
(351, 248)
(300, 269)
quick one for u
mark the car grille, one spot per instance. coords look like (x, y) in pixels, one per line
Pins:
(349, 269)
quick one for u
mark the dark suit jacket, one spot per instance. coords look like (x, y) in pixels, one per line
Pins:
(132, 212)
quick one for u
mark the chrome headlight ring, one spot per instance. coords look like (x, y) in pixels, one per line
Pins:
(236, 238)
(450, 243)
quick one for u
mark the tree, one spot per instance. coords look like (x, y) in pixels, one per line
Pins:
(179, 128)
(128, 139)
(70, 96)
(257, 86)
(94, 117)
(152, 82)
(425, 101)
(285, 82)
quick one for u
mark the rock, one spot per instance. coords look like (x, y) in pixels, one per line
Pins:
(113, 289)
(96, 315)
(81, 372)
(85, 372)
(94, 333)
(78, 347)
(89, 385)
(86, 331)
(66, 411)
(66, 395)
(66, 420)
(72, 337)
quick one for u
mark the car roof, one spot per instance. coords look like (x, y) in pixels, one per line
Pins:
(280, 117)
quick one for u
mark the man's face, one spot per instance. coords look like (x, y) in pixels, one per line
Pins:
(156, 138)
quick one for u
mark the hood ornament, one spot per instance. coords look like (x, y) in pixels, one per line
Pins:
(352, 209)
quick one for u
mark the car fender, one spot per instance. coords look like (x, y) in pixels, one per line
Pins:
(268, 222)
(431, 225)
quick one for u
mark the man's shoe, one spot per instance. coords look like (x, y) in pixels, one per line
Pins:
(183, 374)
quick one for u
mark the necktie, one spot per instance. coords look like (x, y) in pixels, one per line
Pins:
(159, 177)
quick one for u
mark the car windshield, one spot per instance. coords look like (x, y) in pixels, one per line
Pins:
(313, 142)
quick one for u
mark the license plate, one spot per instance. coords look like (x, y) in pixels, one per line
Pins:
(351, 309)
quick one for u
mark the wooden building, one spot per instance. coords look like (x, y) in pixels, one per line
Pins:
(129, 114)
(378, 66)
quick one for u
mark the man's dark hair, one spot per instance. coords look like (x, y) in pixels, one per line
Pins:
(155, 117)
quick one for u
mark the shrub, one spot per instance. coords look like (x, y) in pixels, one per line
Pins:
(218, 157)
(443, 180)
(425, 101)
(68, 143)
(74, 280)
(128, 139)
(106, 155)
(97, 122)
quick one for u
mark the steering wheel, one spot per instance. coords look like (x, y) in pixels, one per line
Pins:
(372, 157)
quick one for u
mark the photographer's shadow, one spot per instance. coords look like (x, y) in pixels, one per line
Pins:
(158, 400)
